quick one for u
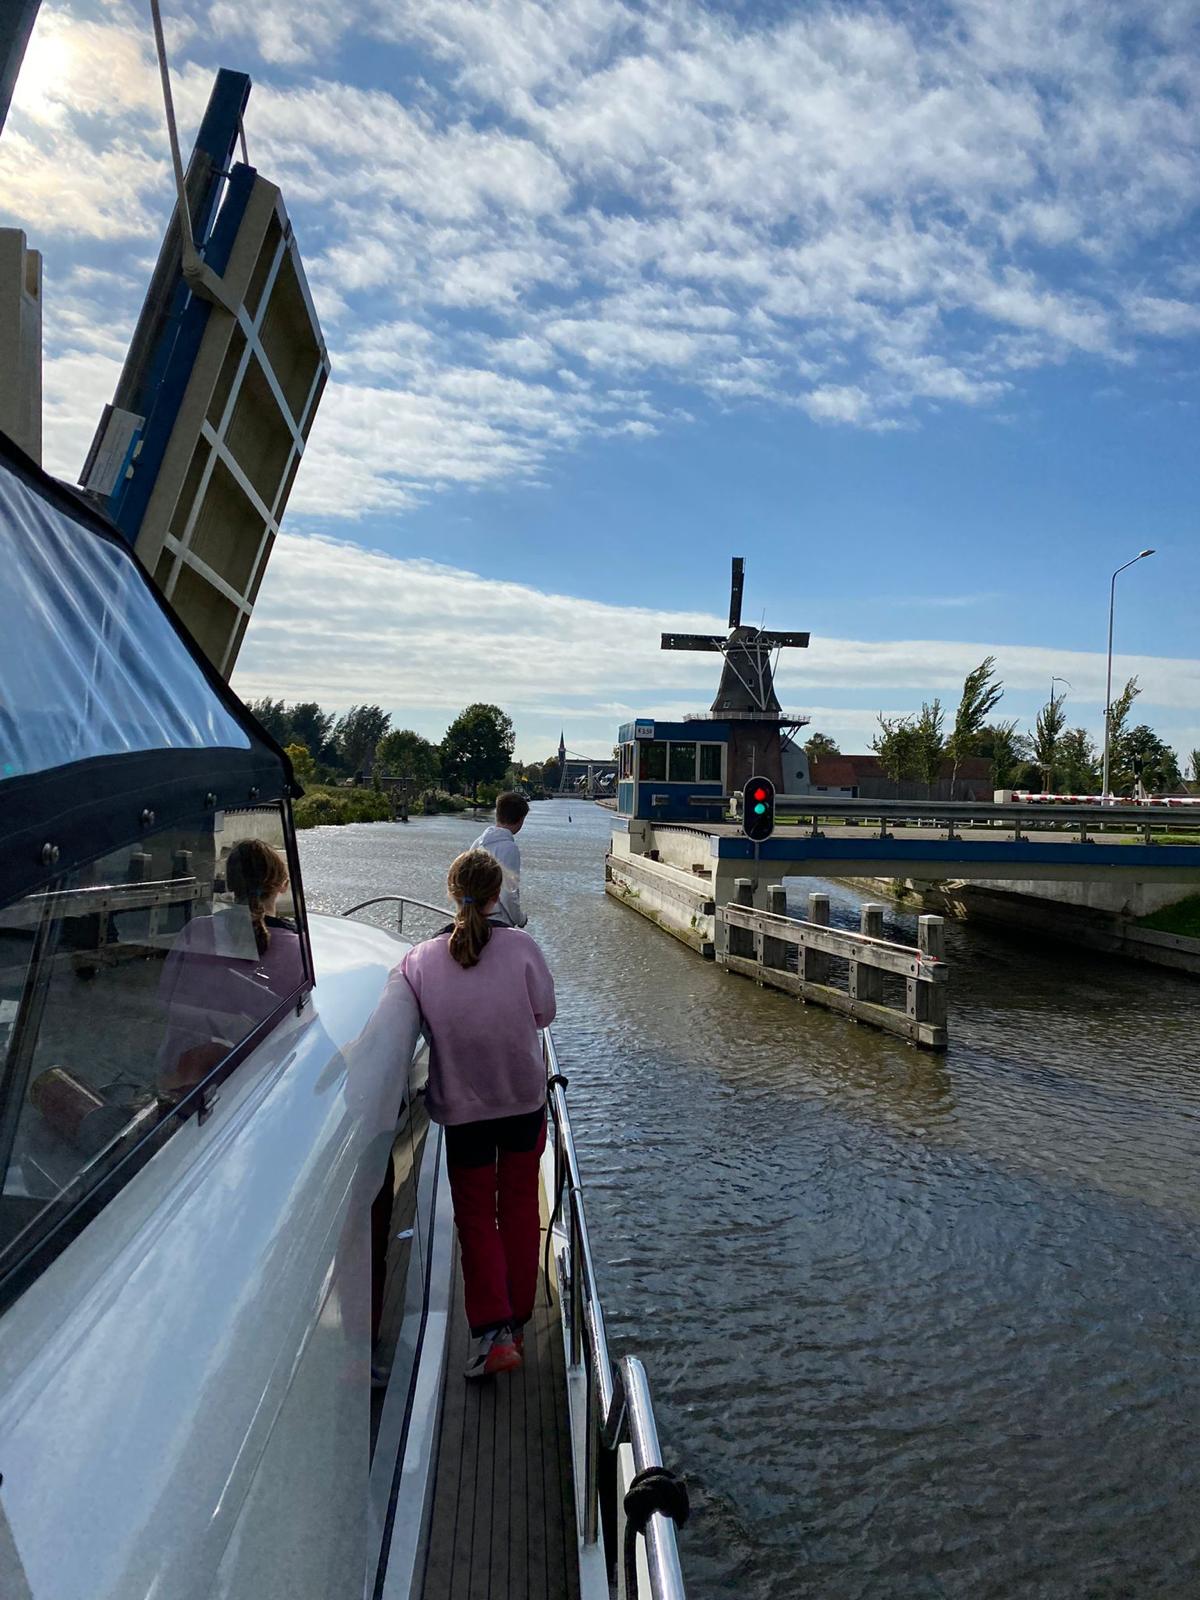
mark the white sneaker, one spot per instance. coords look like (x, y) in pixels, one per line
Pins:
(492, 1352)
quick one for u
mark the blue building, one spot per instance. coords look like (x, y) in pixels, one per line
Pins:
(673, 771)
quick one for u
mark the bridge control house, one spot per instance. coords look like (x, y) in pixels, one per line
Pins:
(672, 771)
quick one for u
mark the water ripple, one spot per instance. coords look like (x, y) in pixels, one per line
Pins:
(917, 1326)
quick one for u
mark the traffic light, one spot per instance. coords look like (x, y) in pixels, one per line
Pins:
(758, 809)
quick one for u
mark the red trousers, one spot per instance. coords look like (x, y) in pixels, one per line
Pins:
(494, 1183)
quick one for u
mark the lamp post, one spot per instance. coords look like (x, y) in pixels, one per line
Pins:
(1112, 596)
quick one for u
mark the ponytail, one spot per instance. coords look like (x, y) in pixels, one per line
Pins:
(256, 873)
(474, 881)
(258, 918)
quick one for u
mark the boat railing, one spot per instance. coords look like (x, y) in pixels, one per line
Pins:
(618, 1405)
(400, 901)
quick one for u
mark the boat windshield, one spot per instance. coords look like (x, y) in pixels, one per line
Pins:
(124, 987)
(92, 666)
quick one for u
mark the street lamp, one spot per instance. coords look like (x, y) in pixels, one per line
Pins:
(1112, 596)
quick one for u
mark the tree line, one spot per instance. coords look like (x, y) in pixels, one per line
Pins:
(1051, 757)
(475, 753)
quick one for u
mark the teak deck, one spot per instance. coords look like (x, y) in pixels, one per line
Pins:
(503, 1520)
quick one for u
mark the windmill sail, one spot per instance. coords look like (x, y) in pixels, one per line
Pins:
(735, 591)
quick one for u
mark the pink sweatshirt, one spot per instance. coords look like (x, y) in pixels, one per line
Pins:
(483, 1021)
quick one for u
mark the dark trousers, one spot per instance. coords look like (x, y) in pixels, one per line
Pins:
(494, 1184)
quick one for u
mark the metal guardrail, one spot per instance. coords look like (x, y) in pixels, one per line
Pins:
(940, 813)
(619, 1407)
(951, 815)
(400, 900)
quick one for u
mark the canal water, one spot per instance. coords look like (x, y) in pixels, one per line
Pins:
(916, 1325)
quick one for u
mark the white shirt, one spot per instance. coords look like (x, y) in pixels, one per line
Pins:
(503, 846)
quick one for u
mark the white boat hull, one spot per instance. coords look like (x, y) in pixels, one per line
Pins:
(184, 1411)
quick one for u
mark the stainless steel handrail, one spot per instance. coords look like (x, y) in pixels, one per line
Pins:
(401, 900)
(619, 1406)
(940, 812)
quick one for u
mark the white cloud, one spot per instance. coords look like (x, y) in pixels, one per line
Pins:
(341, 624)
(1171, 319)
(852, 212)
(837, 403)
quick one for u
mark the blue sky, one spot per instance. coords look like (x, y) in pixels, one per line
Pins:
(902, 303)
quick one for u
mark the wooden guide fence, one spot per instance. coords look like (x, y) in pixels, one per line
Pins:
(795, 956)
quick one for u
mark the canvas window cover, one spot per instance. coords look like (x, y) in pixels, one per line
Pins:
(89, 664)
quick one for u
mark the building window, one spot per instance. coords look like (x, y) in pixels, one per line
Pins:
(653, 765)
(123, 986)
(710, 763)
(683, 763)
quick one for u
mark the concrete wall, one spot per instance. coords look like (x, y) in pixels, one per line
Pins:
(1094, 916)
(1128, 900)
(21, 342)
(676, 901)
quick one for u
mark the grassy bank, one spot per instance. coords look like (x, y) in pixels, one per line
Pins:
(1183, 918)
(323, 804)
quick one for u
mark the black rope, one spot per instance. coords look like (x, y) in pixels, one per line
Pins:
(656, 1489)
(554, 1081)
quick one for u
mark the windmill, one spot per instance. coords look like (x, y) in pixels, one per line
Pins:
(746, 696)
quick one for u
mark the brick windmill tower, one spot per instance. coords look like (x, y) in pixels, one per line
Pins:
(746, 699)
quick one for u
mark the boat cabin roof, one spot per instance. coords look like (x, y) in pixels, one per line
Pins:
(109, 711)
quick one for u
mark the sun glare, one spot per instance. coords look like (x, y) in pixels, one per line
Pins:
(44, 74)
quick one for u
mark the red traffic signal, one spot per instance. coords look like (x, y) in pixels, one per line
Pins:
(758, 808)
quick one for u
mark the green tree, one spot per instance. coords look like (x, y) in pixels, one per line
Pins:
(1194, 764)
(302, 762)
(896, 746)
(1051, 720)
(549, 770)
(1006, 749)
(1118, 716)
(819, 745)
(405, 754)
(357, 734)
(313, 727)
(981, 693)
(273, 715)
(1078, 764)
(1142, 754)
(478, 747)
(930, 746)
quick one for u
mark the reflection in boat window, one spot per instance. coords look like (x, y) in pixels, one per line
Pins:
(124, 986)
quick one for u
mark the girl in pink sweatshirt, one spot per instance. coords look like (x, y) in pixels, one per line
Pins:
(484, 991)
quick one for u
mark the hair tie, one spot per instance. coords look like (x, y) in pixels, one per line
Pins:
(467, 901)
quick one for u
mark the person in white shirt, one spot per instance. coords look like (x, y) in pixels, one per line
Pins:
(500, 839)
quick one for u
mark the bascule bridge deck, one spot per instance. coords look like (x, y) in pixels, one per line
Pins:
(938, 840)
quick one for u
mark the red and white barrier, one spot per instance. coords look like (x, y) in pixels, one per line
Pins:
(1028, 797)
